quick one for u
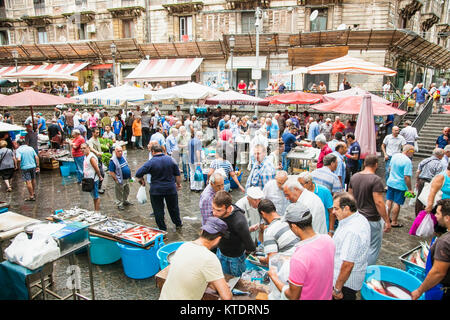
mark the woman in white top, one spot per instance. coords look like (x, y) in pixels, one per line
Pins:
(91, 170)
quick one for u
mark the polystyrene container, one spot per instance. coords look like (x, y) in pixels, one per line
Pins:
(164, 251)
(140, 263)
(394, 275)
(103, 251)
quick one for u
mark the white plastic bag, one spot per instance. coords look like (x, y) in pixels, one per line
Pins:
(426, 227)
(133, 139)
(412, 201)
(416, 146)
(281, 263)
(423, 197)
(141, 195)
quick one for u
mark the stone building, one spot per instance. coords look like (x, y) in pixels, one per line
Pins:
(409, 36)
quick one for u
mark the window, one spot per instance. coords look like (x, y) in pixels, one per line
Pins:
(320, 23)
(127, 28)
(186, 28)
(39, 7)
(42, 35)
(248, 20)
(4, 37)
(82, 34)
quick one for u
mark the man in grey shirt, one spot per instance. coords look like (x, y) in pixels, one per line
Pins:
(145, 121)
(409, 133)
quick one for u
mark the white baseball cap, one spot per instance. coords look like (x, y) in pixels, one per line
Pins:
(255, 193)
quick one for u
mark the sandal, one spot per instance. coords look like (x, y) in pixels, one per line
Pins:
(9, 189)
(396, 225)
(30, 199)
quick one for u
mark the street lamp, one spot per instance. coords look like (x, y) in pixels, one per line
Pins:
(15, 55)
(232, 42)
(258, 23)
(113, 48)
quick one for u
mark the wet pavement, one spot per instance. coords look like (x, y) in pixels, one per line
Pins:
(55, 192)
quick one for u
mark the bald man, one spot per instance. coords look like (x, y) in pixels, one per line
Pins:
(273, 191)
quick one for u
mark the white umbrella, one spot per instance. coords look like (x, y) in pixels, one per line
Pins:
(116, 96)
(187, 91)
(6, 127)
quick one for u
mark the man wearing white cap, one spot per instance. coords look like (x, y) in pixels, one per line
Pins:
(249, 204)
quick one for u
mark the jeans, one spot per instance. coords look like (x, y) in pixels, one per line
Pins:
(232, 266)
(386, 169)
(185, 165)
(129, 134)
(376, 237)
(157, 202)
(145, 136)
(138, 142)
(285, 162)
(79, 166)
(102, 172)
(94, 192)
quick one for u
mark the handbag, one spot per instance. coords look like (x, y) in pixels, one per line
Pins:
(423, 197)
(87, 184)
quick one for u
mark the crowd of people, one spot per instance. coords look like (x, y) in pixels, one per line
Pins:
(329, 220)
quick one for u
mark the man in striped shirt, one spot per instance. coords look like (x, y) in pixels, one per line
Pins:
(278, 237)
(263, 170)
(326, 177)
(216, 183)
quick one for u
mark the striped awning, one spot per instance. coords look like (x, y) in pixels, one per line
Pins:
(43, 72)
(165, 70)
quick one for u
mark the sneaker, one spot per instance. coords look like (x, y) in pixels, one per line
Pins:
(127, 203)
(121, 207)
(102, 191)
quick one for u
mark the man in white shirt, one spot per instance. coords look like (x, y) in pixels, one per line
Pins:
(409, 133)
(407, 88)
(85, 116)
(295, 192)
(392, 144)
(249, 204)
(273, 191)
(108, 134)
(76, 119)
(188, 124)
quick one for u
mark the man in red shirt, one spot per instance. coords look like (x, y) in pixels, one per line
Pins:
(242, 87)
(77, 153)
(321, 143)
(226, 134)
(338, 126)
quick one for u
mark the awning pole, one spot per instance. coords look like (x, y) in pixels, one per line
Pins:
(32, 118)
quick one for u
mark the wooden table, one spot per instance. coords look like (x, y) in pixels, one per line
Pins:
(253, 287)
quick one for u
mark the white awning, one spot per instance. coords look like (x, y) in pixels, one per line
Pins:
(246, 62)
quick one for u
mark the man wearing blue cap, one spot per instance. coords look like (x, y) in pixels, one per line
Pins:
(194, 266)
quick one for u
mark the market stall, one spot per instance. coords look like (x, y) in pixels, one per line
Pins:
(296, 98)
(303, 158)
(355, 91)
(116, 96)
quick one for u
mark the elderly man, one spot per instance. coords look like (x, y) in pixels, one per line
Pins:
(121, 173)
(216, 183)
(392, 144)
(172, 144)
(290, 141)
(326, 129)
(249, 205)
(338, 126)
(306, 180)
(446, 157)
(326, 176)
(399, 181)
(159, 137)
(77, 153)
(165, 182)
(352, 241)
(426, 171)
(295, 192)
(262, 171)
(321, 143)
(419, 94)
(443, 140)
(273, 191)
(313, 130)
(337, 138)
(409, 133)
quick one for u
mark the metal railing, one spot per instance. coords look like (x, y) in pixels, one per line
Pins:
(423, 116)
(403, 106)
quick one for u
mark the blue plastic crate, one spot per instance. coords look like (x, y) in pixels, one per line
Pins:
(412, 268)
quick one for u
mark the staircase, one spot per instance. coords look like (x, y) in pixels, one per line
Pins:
(408, 116)
(431, 130)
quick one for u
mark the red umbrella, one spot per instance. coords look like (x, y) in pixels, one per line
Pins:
(296, 98)
(32, 98)
(352, 105)
(447, 107)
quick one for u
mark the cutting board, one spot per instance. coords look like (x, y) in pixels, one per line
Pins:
(10, 220)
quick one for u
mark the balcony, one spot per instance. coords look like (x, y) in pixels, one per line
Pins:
(431, 14)
(85, 9)
(247, 4)
(317, 2)
(41, 16)
(126, 8)
(408, 8)
(175, 7)
(2, 13)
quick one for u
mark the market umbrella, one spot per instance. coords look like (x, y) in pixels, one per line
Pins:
(296, 98)
(447, 107)
(365, 128)
(235, 98)
(355, 91)
(32, 99)
(115, 96)
(352, 105)
(6, 127)
(187, 91)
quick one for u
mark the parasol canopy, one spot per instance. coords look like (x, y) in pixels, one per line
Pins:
(235, 98)
(352, 105)
(115, 96)
(296, 98)
(6, 127)
(365, 128)
(33, 98)
(355, 91)
(187, 91)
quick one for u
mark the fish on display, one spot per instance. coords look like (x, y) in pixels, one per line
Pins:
(389, 289)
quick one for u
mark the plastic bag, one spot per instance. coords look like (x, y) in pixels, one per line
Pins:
(141, 195)
(426, 227)
(412, 201)
(281, 263)
(198, 175)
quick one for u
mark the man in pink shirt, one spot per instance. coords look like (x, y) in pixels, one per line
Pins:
(312, 264)
(226, 134)
(321, 142)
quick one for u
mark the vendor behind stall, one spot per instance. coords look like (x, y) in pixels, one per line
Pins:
(194, 266)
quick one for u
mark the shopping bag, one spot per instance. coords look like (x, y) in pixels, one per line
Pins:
(198, 175)
(141, 195)
(416, 146)
(423, 197)
(426, 227)
(417, 222)
(133, 139)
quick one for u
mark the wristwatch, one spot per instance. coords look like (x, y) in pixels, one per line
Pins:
(337, 291)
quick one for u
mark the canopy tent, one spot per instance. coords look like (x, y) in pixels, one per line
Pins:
(6, 127)
(296, 98)
(187, 91)
(352, 105)
(365, 128)
(116, 96)
(345, 64)
(235, 98)
(165, 70)
(32, 98)
(44, 72)
(355, 91)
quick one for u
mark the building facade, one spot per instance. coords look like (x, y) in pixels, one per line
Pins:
(161, 29)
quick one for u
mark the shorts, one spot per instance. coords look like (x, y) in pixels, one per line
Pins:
(398, 196)
(7, 174)
(29, 174)
(94, 192)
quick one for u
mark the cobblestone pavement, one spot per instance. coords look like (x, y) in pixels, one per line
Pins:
(110, 282)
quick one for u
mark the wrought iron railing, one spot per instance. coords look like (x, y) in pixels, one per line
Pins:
(403, 106)
(423, 116)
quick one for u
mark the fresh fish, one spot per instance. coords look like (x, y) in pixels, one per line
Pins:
(378, 286)
(419, 260)
(398, 293)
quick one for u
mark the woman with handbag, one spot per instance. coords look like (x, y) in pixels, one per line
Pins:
(440, 182)
(91, 175)
(8, 164)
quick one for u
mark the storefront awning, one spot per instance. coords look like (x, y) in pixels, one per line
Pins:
(100, 66)
(165, 70)
(246, 62)
(44, 72)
